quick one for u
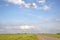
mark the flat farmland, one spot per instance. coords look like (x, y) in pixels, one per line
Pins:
(18, 37)
(52, 35)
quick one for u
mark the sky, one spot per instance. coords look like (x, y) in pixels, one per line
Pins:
(29, 16)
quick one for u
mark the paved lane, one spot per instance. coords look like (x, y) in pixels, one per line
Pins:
(49, 38)
(46, 38)
(39, 37)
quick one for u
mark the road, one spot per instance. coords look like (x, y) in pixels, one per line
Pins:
(46, 38)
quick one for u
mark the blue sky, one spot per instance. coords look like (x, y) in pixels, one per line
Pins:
(42, 16)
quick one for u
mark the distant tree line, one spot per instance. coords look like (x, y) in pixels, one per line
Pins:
(58, 33)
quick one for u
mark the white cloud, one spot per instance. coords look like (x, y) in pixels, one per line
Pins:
(41, 1)
(26, 27)
(21, 27)
(22, 3)
(15, 1)
(58, 28)
(41, 28)
(27, 5)
(34, 5)
(45, 7)
(19, 2)
(58, 20)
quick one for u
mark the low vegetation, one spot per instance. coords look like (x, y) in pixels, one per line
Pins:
(18, 37)
(52, 35)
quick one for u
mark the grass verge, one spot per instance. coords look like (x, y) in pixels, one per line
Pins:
(18, 37)
(52, 35)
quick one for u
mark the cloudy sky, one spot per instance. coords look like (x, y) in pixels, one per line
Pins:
(31, 16)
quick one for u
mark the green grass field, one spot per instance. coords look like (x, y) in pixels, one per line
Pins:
(18, 37)
(52, 35)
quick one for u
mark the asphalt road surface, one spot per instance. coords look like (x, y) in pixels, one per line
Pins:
(46, 38)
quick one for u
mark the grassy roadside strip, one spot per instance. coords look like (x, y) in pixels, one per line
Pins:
(18, 37)
(39, 37)
(52, 35)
